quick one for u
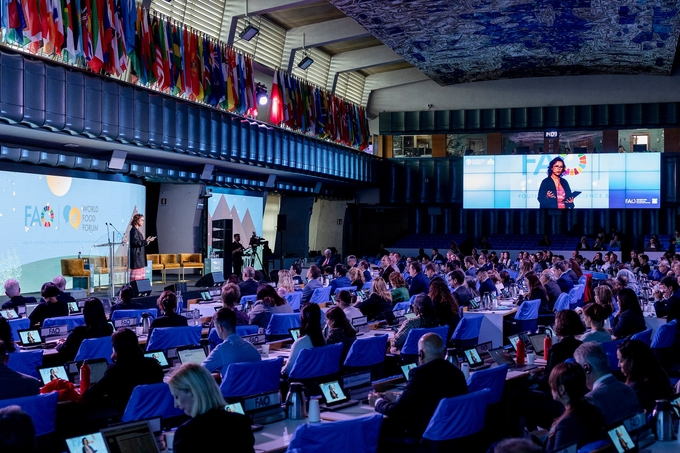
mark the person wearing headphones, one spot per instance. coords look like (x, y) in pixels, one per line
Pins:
(167, 303)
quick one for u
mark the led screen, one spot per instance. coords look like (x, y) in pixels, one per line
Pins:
(44, 219)
(618, 181)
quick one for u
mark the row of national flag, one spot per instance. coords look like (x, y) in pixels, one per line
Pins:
(299, 105)
(112, 36)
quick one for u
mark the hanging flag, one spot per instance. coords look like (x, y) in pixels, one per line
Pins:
(16, 20)
(129, 22)
(217, 75)
(207, 70)
(275, 105)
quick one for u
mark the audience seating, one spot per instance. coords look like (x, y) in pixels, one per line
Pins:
(245, 299)
(294, 299)
(26, 362)
(492, 379)
(156, 265)
(75, 267)
(134, 313)
(279, 324)
(71, 321)
(169, 261)
(367, 286)
(411, 344)
(576, 296)
(41, 408)
(18, 324)
(214, 339)
(365, 353)
(402, 306)
(526, 318)
(456, 418)
(95, 348)
(466, 334)
(562, 302)
(251, 378)
(321, 295)
(345, 288)
(348, 436)
(610, 348)
(663, 344)
(316, 362)
(151, 400)
(163, 338)
(99, 265)
(190, 261)
(645, 336)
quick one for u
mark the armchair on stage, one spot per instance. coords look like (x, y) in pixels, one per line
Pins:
(156, 265)
(191, 261)
(75, 267)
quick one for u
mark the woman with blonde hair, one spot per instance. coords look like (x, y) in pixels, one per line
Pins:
(196, 393)
(356, 276)
(379, 302)
(286, 284)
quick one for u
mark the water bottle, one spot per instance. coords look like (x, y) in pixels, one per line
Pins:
(547, 344)
(521, 352)
(662, 421)
(180, 302)
(84, 377)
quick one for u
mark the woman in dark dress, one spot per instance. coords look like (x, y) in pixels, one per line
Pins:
(445, 305)
(644, 373)
(212, 428)
(96, 326)
(537, 292)
(339, 330)
(138, 248)
(629, 320)
(555, 192)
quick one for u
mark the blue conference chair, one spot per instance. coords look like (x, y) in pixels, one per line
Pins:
(582, 280)
(492, 379)
(245, 299)
(645, 336)
(294, 299)
(95, 348)
(562, 302)
(367, 353)
(526, 318)
(321, 295)
(151, 400)
(457, 417)
(663, 344)
(18, 324)
(71, 321)
(316, 362)
(367, 286)
(251, 378)
(41, 408)
(576, 296)
(134, 313)
(26, 362)
(610, 348)
(279, 324)
(214, 339)
(466, 334)
(348, 436)
(410, 347)
(402, 306)
(163, 338)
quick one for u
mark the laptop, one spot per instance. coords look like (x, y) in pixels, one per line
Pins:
(97, 369)
(124, 322)
(536, 341)
(360, 324)
(73, 309)
(191, 354)
(30, 307)
(474, 359)
(206, 297)
(621, 439)
(160, 358)
(513, 339)
(132, 437)
(95, 441)
(483, 349)
(295, 333)
(406, 367)
(51, 373)
(9, 313)
(409, 315)
(334, 396)
(502, 357)
(31, 339)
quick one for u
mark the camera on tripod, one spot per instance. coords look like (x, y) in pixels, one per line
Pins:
(255, 240)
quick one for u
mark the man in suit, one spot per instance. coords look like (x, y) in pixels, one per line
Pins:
(613, 398)
(436, 256)
(419, 282)
(670, 305)
(15, 384)
(61, 284)
(341, 280)
(328, 260)
(485, 283)
(433, 380)
(313, 274)
(249, 285)
(560, 270)
(13, 291)
(461, 292)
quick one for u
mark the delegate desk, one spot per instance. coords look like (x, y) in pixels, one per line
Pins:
(492, 324)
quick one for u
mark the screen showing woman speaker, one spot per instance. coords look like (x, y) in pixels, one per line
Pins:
(562, 181)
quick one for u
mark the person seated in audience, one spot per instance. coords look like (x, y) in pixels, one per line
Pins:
(644, 264)
(629, 319)
(379, 301)
(461, 293)
(594, 316)
(313, 283)
(653, 244)
(340, 279)
(615, 242)
(339, 330)
(386, 268)
(538, 263)
(581, 422)
(668, 299)
(485, 283)
(233, 348)
(565, 282)
(296, 273)
(436, 256)
(365, 267)
(327, 260)
(13, 291)
(604, 296)
(472, 283)
(285, 284)
(433, 379)
(96, 326)
(505, 260)
(126, 302)
(344, 300)
(352, 261)
(445, 305)
(583, 244)
(6, 335)
(212, 428)
(537, 291)
(627, 279)
(248, 286)
(167, 304)
(611, 266)
(567, 326)
(660, 272)
(399, 291)
(517, 445)
(644, 374)
(50, 306)
(575, 271)
(129, 369)
(311, 335)
(419, 282)
(471, 265)
(615, 400)
(17, 432)
(552, 289)
(231, 296)
(430, 272)
(484, 263)
(268, 302)
(598, 244)
(60, 281)
(14, 384)
(356, 278)
(426, 316)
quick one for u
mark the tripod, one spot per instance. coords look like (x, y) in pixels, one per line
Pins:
(255, 258)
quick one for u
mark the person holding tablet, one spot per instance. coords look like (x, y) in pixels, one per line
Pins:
(555, 192)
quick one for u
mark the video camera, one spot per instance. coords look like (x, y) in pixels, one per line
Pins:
(255, 240)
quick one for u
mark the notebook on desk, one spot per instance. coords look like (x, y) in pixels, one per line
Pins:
(536, 341)
(621, 439)
(29, 308)
(295, 333)
(238, 408)
(95, 441)
(334, 397)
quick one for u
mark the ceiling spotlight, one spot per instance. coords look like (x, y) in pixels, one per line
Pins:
(248, 33)
(305, 63)
(261, 94)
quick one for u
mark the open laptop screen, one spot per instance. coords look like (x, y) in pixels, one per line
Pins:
(621, 439)
(94, 441)
(405, 368)
(130, 438)
(30, 336)
(51, 373)
(191, 355)
(472, 356)
(9, 313)
(332, 392)
(159, 356)
(30, 308)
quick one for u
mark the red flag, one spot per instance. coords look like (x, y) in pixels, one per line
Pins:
(276, 106)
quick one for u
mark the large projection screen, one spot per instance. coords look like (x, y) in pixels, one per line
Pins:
(609, 181)
(44, 219)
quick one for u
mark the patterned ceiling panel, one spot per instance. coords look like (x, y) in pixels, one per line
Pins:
(457, 41)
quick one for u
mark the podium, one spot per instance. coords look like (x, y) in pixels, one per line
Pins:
(111, 245)
(213, 265)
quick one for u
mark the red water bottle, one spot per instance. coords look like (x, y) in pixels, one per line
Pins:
(547, 344)
(84, 377)
(521, 352)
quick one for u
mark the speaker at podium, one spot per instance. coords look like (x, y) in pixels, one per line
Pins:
(210, 280)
